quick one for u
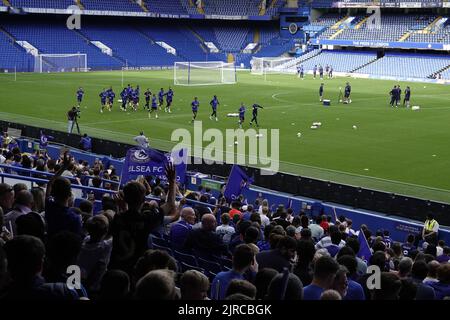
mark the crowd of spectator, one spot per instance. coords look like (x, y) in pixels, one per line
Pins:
(190, 245)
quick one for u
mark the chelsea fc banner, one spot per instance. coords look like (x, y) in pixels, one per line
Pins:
(151, 162)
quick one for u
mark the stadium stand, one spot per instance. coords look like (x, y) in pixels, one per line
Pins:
(52, 4)
(171, 6)
(14, 56)
(400, 65)
(113, 5)
(42, 36)
(88, 225)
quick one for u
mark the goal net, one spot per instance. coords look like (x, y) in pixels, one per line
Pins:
(268, 65)
(61, 63)
(204, 73)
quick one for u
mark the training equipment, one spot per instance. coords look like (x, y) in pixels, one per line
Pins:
(299, 134)
(355, 127)
(326, 102)
(204, 73)
(233, 115)
(415, 108)
(314, 127)
(318, 124)
(61, 63)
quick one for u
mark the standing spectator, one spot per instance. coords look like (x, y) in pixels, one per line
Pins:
(418, 274)
(142, 140)
(265, 221)
(58, 195)
(430, 230)
(243, 260)
(325, 269)
(25, 256)
(115, 285)
(445, 257)
(156, 285)
(95, 252)
(262, 281)
(390, 287)
(305, 255)
(225, 231)
(294, 288)
(354, 291)
(316, 230)
(340, 283)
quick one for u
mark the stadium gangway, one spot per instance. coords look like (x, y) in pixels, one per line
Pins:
(48, 174)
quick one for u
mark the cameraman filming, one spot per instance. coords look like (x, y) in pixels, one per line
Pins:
(72, 116)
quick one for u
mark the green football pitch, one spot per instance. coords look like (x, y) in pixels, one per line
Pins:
(394, 150)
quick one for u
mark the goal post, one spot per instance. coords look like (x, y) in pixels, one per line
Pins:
(76, 62)
(201, 73)
(268, 65)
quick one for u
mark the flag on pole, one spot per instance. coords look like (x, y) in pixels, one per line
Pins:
(364, 250)
(237, 182)
(335, 215)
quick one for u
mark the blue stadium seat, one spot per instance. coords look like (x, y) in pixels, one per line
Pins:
(186, 258)
(209, 265)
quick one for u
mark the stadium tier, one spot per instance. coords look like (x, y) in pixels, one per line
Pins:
(113, 5)
(398, 65)
(51, 4)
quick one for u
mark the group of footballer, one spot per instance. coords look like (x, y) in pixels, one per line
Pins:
(328, 71)
(130, 100)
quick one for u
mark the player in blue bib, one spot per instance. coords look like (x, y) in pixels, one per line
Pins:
(194, 104)
(148, 96)
(80, 94)
(241, 115)
(103, 95)
(154, 108)
(169, 98)
(111, 96)
(214, 103)
(161, 97)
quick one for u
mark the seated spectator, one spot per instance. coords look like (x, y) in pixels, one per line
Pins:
(95, 252)
(239, 235)
(262, 281)
(418, 274)
(6, 197)
(153, 260)
(205, 241)
(281, 219)
(280, 257)
(243, 260)
(180, 230)
(225, 231)
(445, 256)
(63, 249)
(325, 269)
(433, 266)
(241, 286)
(354, 290)
(405, 267)
(25, 255)
(251, 237)
(442, 286)
(115, 285)
(156, 285)
(235, 209)
(340, 283)
(305, 255)
(390, 286)
(326, 241)
(361, 268)
(194, 285)
(31, 224)
(22, 205)
(294, 288)
(330, 295)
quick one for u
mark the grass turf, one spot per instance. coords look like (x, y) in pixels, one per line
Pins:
(395, 150)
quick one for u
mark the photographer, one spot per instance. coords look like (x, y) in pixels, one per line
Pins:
(72, 116)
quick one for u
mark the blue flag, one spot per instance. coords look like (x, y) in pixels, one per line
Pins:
(151, 162)
(237, 181)
(43, 140)
(289, 203)
(364, 250)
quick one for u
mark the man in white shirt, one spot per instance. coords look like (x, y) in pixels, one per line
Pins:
(141, 140)
(265, 221)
